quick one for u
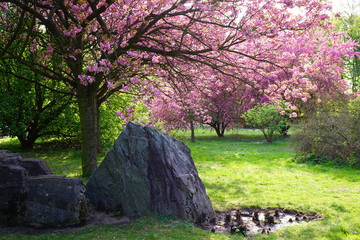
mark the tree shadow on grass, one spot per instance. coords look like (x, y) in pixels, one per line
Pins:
(333, 171)
(255, 150)
(63, 157)
(225, 194)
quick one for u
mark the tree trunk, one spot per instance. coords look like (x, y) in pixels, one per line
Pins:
(192, 129)
(26, 143)
(218, 129)
(87, 103)
(223, 127)
(268, 135)
(284, 130)
(99, 132)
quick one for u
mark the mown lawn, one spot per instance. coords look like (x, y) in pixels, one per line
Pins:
(240, 170)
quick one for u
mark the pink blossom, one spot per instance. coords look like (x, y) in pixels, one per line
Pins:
(93, 68)
(33, 47)
(134, 80)
(293, 115)
(112, 84)
(105, 62)
(155, 59)
(133, 54)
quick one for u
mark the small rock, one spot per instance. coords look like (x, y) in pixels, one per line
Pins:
(9, 158)
(227, 219)
(256, 216)
(239, 219)
(35, 167)
(55, 201)
(277, 213)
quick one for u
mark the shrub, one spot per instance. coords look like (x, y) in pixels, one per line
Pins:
(331, 131)
(267, 119)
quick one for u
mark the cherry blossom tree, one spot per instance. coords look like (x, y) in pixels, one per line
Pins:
(215, 101)
(105, 46)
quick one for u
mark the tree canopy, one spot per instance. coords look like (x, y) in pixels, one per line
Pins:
(285, 49)
(348, 20)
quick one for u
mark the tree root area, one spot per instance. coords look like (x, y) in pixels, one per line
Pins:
(252, 221)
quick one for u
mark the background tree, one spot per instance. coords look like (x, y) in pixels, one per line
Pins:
(173, 109)
(103, 46)
(216, 102)
(267, 118)
(348, 20)
(331, 132)
(29, 111)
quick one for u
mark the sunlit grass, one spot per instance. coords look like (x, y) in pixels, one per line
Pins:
(61, 161)
(242, 170)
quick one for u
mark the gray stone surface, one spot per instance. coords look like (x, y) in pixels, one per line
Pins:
(12, 192)
(149, 171)
(7, 157)
(55, 201)
(31, 196)
(35, 167)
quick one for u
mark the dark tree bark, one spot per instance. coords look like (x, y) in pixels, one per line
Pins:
(192, 129)
(27, 143)
(219, 128)
(88, 109)
(98, 128)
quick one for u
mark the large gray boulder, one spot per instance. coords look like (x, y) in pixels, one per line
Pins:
(149, 171)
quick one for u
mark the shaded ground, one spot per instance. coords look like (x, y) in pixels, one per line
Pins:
(246, 222)
(97, 219)
(252, 221)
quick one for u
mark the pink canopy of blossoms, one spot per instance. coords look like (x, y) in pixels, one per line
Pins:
(197, 56)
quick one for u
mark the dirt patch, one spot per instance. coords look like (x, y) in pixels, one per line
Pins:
(252, 221)
(97, 219)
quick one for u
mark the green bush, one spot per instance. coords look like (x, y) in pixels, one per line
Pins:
(332, 131)
(311, 158)
(267, 119)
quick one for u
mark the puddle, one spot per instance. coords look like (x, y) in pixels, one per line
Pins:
(252, 221)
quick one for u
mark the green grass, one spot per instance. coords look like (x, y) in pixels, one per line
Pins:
(62, 161)
(242, 170)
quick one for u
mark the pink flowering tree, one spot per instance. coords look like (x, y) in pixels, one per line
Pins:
(173, 111)
(105, 46)
(217, 101)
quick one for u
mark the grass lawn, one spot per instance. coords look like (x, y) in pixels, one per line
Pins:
(239, 170)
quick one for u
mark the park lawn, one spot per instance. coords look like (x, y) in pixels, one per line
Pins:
(239, 170)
